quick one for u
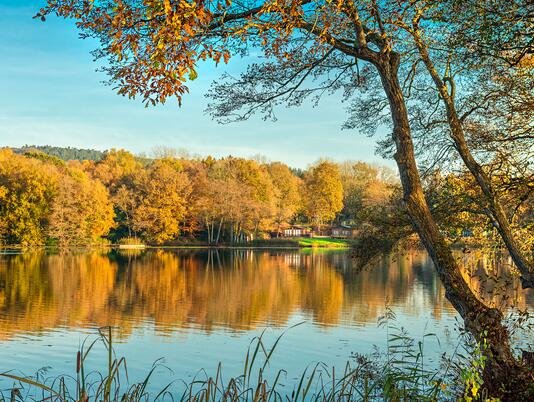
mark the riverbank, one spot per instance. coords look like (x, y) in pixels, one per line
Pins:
(305, 242)
(291, 243)
(281, 242)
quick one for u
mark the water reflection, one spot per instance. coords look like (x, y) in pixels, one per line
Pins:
(234, 289)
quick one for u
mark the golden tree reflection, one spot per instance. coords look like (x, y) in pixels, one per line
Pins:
(237, 290)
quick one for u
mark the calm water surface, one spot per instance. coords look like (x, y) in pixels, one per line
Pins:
(195, 308)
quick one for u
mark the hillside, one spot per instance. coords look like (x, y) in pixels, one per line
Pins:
(65, 153)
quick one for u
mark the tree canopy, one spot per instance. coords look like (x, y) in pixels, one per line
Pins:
(45, 200)
(64, 153)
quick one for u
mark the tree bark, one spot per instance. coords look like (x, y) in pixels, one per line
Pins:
(503, 375)
(219, 231)
(497, 212)
(206, 222)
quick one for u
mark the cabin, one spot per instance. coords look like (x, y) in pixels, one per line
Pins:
(297, 231)
(343, 232)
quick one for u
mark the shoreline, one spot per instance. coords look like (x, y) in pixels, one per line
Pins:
(18, 249)
(341, 244)
(7, 249)
(278, 243)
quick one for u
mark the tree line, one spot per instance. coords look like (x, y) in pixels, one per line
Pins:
(46, 200)
(65, 153)
(168, 198)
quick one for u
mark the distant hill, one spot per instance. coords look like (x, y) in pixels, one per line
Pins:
(65, 153)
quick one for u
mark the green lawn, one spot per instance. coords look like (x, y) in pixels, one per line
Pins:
(327, 242)
(315, 242)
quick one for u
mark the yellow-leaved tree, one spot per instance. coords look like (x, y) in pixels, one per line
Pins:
(287, 197)
(81, 211)
(161, 193)
(323, 193)
(27, 188)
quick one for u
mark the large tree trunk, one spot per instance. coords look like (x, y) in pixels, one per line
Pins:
(497, 212)
(503, 375)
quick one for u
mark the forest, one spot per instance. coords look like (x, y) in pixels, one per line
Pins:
(46, 200)
(65, 153)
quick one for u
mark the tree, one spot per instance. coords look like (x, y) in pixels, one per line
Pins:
(286, 193)
(118, 171)
(456, 203)
(197, 201)
(365, 187)
(235, 198)
(420, 26)
(27, 188)
(347, 45)
(115, 169)
(243, 193)
(323, 193)
(206, 206)
(81, 211)
(42, 199)
(161, 194)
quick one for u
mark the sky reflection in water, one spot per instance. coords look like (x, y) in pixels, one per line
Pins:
(198, 307)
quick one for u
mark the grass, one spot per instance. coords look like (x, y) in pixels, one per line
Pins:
(303, 242)
(398, 375)
(131, 241)
(327, 242)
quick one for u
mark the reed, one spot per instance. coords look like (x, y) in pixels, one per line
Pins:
(130, 241)
(399, 375)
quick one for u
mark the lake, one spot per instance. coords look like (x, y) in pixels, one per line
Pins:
(196, 307)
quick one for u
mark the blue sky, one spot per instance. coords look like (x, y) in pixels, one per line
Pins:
(51, 94)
